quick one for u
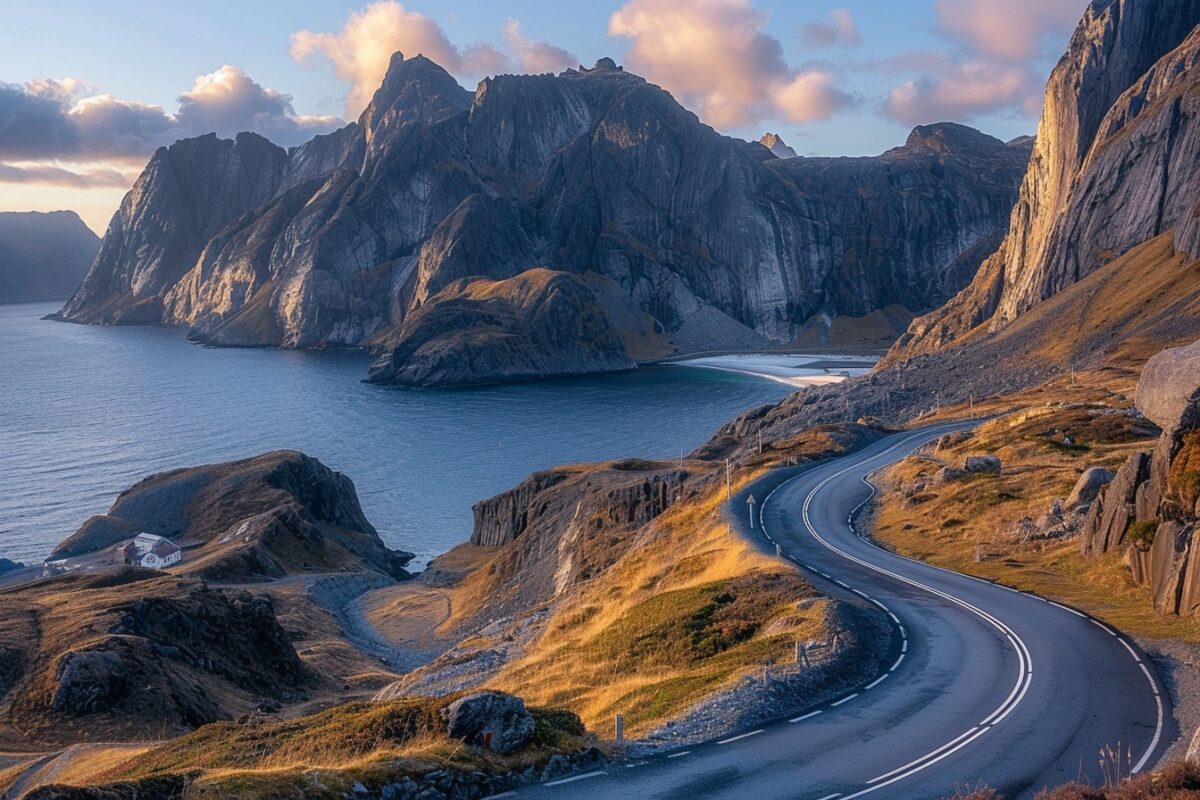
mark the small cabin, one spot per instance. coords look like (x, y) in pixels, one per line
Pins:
(155, 552)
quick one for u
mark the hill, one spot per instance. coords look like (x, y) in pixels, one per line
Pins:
(43, 256)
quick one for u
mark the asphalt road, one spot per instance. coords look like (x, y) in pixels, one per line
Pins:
(987, 686)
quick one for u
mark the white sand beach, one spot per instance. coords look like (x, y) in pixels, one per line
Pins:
(796, 369)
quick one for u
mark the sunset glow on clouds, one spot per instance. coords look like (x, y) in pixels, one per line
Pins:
(743, 66)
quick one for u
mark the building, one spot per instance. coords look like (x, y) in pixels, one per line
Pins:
(148, 550)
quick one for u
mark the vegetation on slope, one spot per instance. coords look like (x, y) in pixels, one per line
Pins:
(950, 523)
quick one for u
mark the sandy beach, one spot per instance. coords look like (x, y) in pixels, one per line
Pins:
(795, 369)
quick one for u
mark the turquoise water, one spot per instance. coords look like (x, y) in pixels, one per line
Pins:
(87, 411)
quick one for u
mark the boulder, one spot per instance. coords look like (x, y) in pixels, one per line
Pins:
(1169, 388)
(493, 719)
(988, 465)
(89, 681)
(1088, 487)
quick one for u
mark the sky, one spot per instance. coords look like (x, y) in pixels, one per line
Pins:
(89, 90)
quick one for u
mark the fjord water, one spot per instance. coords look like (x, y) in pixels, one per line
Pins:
(87, 411)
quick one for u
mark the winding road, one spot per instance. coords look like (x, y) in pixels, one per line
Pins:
(986, 685)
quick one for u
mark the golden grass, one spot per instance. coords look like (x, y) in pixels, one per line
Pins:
(678, 616)
(945, 524)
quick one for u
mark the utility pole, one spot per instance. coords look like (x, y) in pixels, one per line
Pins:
(728, 481)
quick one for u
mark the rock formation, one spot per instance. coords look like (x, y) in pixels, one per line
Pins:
(135, 652)
(266, 517)
(1150, 509)
(778, 147)
(1113, 166)
(686, 238)
(43, 256)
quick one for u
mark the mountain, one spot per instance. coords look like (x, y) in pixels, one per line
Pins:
(43, 256)
(669, 236)
(775, 143)
(1113, 166)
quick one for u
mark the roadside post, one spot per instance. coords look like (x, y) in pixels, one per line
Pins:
(620, 728)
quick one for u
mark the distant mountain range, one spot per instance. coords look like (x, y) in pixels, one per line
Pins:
(413, 231)
(43, 256)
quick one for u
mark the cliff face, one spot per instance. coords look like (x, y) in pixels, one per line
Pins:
(266, 517)
(1113, 166)
(591, 172)
(43, 256)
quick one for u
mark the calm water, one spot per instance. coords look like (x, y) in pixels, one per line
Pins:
(87, 411)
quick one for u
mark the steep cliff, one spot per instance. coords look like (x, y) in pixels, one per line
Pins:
(43, 256)
(1113, 166)
(590, 172)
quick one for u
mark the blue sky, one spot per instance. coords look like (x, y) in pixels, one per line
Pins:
(833, 78)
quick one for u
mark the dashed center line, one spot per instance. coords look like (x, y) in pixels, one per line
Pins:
(574, 778)
(740, 737)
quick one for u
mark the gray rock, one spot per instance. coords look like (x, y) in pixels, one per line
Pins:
(495, 715)
(89, 681)
(1111, 517)
(592, 172)
(1088, 487)
(1169, 388)
(1113, 165)
(988, 465)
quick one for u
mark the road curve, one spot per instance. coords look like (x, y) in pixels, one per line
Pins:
(986, 685)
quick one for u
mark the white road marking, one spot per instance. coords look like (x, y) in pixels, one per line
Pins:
(1066, 608)
(740, 737)
(833, 796)
(574, 778)
(892, 668)
(875, 682)
(1024, 657)
(679, 755)
(809, 715)
(845, 699)
(1102, 626)
(498, 796)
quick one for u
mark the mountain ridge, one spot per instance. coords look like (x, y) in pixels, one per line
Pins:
(334, 243)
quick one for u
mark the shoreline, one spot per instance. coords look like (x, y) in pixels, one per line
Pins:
(800, 370)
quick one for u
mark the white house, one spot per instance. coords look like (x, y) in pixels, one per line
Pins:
(155, 552)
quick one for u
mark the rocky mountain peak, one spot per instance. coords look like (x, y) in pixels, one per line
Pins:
(941, 137)
(418, 88)
(775, 143)
(605, 64)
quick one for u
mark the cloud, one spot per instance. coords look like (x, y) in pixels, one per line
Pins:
(52, 175)
(715, 58)
(992, 69)
(963, 91)
(229, 101)
(1014, 30)
(361, 50)
(47, 119)
(838, 30)
(535, 57)
(33, 125)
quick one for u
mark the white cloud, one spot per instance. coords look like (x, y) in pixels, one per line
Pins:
(533, 56)
(361, 50)
(962, 91)
(1012, 30)
(839, 29)
(715, 57)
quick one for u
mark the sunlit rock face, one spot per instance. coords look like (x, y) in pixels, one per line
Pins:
(593, 172)
(1114, 164)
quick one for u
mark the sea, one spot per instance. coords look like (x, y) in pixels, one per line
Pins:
(86, 411)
